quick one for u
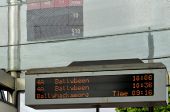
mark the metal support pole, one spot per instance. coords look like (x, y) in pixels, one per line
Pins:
(151, 55)
(13, 35)
(150, 47)
(98, 108)
(151, 109)
(13, 42)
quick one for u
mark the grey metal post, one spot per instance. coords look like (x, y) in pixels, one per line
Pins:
(151, 55)
(13, 41)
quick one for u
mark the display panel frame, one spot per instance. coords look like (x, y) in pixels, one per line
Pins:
(159, 98)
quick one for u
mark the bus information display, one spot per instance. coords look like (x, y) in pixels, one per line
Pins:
(94, 86)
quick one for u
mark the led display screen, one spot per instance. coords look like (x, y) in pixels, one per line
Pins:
(94, 86)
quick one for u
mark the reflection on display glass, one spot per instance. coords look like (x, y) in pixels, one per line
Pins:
(55, 19)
